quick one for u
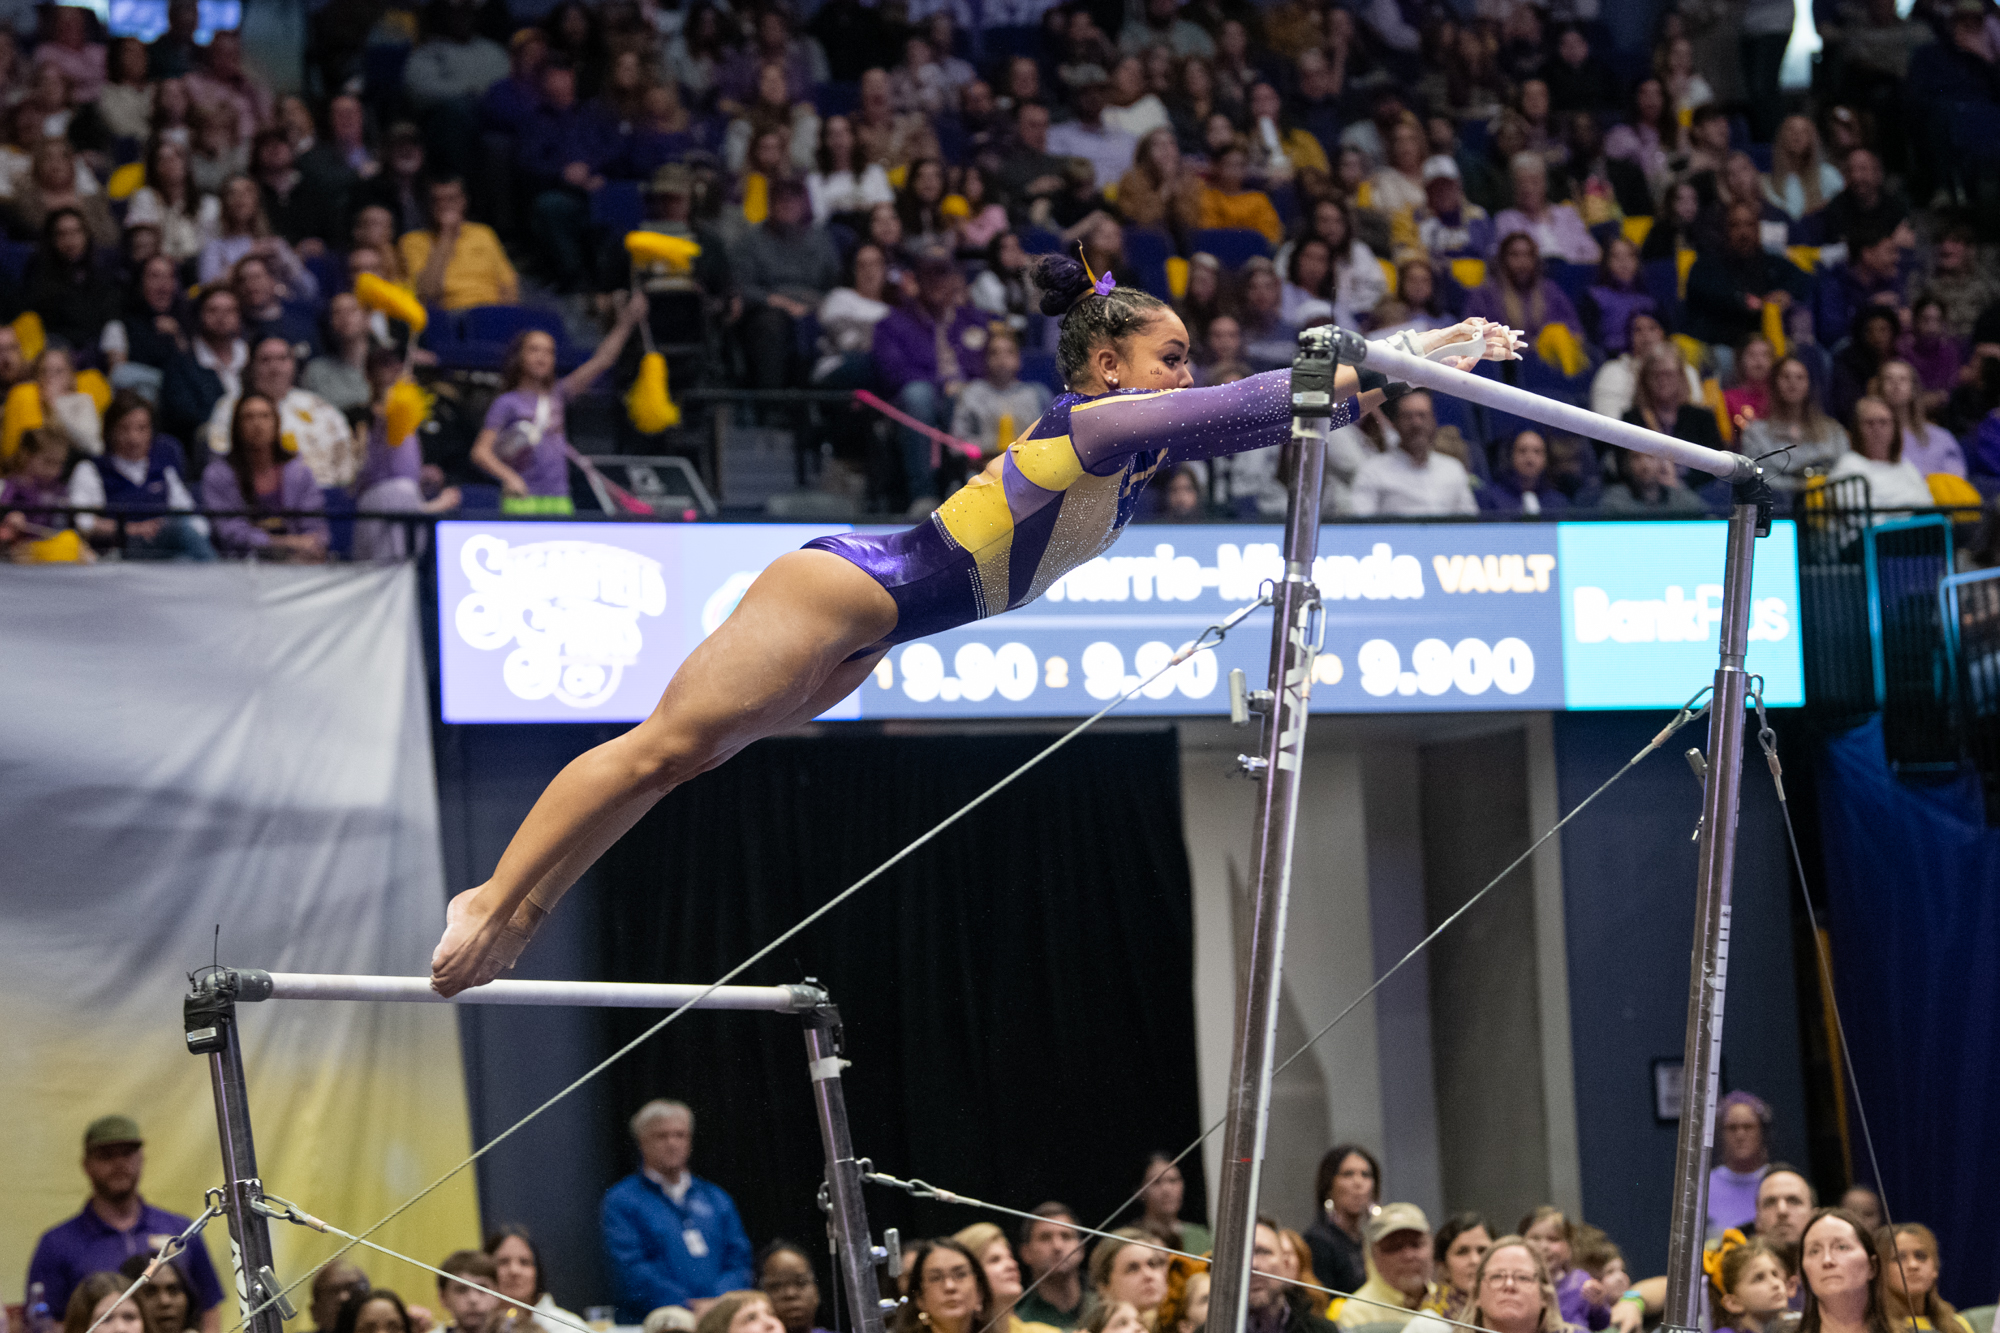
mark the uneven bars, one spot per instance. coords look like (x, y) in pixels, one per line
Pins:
(1397, 364)
(593, 994)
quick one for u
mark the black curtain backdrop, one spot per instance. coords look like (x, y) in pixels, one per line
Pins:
(1018, 996)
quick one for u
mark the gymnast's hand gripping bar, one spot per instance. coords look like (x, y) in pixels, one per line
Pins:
(1351, 349)
(256, 985)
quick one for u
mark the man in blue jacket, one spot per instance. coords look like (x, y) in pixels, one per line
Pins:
(672, 1237)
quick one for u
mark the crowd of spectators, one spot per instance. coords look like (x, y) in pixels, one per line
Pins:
(681, 1262)
(1687, 245)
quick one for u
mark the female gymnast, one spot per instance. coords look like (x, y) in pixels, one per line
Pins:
(812, 627)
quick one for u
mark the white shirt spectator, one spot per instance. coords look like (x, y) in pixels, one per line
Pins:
(844, 192)
(1144, 116)
(1254, 476)
(1890, 485)
(182, 234)
(974, 15)
(309, 427)
(441, 70)
(86, 488)
(1394, 484)
(1109, 151)
(1612, 388)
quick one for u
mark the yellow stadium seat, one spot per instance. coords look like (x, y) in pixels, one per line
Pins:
(1177, 276)
(1693, 351)
(65, 548)
(1711, 393)
(1774, 328)
(1559, 347)
(1637, 229)
(1389, 272)
(955, 206)
(1954, 492)
(22, 414)
(29, 333)
(756, 198)
(1683, 261)
(93, 383)
(125, 181)
(1469, 272)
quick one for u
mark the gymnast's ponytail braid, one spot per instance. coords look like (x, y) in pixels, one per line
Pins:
(1087, 318)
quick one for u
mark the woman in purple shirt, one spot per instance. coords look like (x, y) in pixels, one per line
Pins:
(522, 443)
(252, 477)
(814, 625)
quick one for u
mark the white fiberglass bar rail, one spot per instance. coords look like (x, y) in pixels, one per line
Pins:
(1398, 364)
(589, 994)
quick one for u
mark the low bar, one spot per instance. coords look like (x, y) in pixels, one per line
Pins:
(1550, 412)
(588, 994)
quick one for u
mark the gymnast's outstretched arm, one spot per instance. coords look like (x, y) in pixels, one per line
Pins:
(1252, 413)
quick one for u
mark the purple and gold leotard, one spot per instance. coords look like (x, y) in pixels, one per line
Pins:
(1059, 496)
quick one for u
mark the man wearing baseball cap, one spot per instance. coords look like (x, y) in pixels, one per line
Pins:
(1399, 1269)
(1447, 226)
(116, 1224)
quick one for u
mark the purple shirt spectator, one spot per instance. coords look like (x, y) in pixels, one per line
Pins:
(1559, 233)
(1503, 495)
(87, 1244)
(386, 463)
(1936, 360)
(509, 105)
(1547, 305)
(1982, 454)
(737, 79)
(296, 491)
(1608, 311)
(906, 345)
(553, 139)
(35, 500)
(538, 451)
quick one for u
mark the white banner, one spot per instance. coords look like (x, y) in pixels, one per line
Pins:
(247, 746)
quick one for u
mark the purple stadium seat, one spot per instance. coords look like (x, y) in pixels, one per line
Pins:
(1233, 247)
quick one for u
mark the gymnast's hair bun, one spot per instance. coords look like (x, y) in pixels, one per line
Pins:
(1062, 282)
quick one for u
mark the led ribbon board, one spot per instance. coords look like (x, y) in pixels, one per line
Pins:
(586, 622)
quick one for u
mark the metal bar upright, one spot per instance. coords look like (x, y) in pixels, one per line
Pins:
(1295, 603)
(1709, 967)
(854, 1253)
(210, 1014)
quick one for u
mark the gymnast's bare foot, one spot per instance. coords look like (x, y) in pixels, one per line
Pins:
(477, 945)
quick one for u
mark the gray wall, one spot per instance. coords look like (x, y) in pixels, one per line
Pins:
(1486, 1038)
(1393, 813)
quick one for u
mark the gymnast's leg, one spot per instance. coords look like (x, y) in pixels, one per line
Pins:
(780, 659)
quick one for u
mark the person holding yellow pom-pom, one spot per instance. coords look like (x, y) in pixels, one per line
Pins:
(522, 443)
(392, 472)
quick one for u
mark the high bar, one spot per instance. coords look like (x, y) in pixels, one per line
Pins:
(1398, 364)
(587, 994)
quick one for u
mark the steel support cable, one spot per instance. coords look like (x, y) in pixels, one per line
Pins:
(1767, 738)
(1208, 638)
(922, 1189)
(1689, 712)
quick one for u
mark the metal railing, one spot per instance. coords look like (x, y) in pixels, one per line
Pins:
(1906, 561)
(1833, 600)
(1969, 615)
